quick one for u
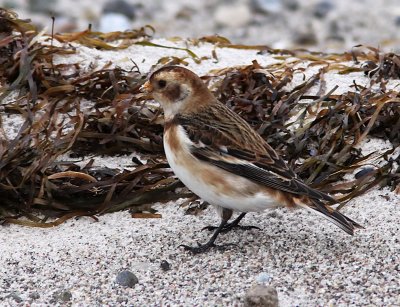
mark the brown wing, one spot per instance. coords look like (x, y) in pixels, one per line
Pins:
(224, 139)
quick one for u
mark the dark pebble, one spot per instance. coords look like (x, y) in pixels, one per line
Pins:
(34, 295)
(397, 21)
(323, 8)
(41, 6)
(126, 279)
(120, 7)
(292, 5)
(15, 297)
(165, 266)
(122, 299)
(266, 6)
(305, 38)
(62, 296)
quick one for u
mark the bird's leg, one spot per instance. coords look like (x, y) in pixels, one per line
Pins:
(232, 225)
(201, 248)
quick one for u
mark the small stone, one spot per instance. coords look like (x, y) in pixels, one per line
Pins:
(305, 36)
(120, 7)
(63, 296)
(112, 22)
(10, 5)
(126, 279)
(15, 296)
(34, 295)
(122, 299)
(165, 266)
(263, 278)
(261, 296)
(291, 5)
(267, 6)
(335, 32)
(66, 296)
(322, 8)
(185, 13)
(233, 15)
(41, 6)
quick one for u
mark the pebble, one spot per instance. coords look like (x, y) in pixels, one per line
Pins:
(126, 279)
(111, 22)
(263, 278)
(267, 6)
(323, 8)
(62, 296)
(165, 266)
(233, 15)
(335, 31)
(34, 295)
(261, 296)
(41, 6)
(15, 296)
(292, 5)
(120, 7)
(122, 299)
(304, 36)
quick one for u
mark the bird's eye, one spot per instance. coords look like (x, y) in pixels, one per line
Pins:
(162, 83)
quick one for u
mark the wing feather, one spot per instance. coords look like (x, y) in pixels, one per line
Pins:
(222, 138)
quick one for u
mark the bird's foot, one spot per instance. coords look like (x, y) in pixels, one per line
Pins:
(202, 248)
(231, 226)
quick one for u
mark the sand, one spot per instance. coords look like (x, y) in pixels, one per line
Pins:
(308, 260)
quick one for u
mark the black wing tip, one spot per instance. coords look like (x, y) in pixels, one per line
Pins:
(340, 220)
(345, 223)
(353, 223)
(349, 225)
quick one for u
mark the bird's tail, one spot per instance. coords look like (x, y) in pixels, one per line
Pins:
(337, 218)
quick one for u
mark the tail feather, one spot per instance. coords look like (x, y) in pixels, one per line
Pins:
(337, 218)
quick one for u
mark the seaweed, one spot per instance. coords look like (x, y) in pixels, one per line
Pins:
(77, 112)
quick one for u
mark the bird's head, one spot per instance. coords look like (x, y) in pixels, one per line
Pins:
(178, 90)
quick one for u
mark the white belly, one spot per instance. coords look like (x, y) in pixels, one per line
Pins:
(225, 189)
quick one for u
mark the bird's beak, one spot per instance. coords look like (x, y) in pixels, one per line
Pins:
(146, 88)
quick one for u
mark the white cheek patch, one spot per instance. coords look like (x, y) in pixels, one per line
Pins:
(171, 109)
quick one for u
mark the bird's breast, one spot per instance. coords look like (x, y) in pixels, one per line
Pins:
(209, 182)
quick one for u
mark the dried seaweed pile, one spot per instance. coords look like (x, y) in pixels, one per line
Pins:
(320, 138)
(32, 177)
(68, 109)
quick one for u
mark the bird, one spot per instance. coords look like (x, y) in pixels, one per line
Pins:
(223, 160)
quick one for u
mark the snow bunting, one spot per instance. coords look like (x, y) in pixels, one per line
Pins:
(218, 156)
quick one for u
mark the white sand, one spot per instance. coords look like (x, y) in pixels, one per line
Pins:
(308, 260)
